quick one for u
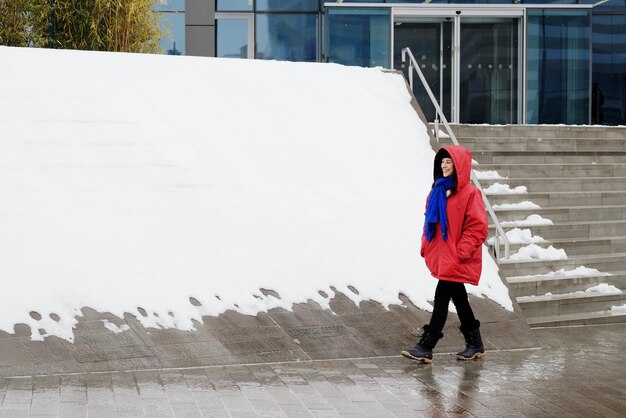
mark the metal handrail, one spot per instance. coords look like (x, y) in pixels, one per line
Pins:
(499, 231)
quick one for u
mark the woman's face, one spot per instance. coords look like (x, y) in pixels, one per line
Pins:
(447, 166)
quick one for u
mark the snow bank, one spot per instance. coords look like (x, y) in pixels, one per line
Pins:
(531, 220)
(535, 252)
(497, 188)
(132, 183)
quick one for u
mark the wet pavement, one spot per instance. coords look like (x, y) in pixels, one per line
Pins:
(578, 371)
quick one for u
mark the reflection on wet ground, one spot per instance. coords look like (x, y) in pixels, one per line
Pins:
(578, 372)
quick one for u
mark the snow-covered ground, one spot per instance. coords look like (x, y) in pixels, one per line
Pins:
(132, 183)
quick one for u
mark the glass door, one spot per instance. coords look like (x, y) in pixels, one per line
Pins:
(430, 40)
(489, 71)
(471, 59)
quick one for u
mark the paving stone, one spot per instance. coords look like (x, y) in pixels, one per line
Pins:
(560, 380)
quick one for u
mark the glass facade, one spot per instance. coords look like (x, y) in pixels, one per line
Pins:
(358, 36)
(558, 66)
(571, 69)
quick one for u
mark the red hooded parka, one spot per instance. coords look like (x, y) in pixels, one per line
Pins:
(459, 259)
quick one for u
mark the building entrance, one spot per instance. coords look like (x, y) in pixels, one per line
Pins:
(471, 63)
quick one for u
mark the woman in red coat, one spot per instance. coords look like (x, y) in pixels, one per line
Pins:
(454, 231)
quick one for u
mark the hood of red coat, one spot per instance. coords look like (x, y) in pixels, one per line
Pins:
(462, 158)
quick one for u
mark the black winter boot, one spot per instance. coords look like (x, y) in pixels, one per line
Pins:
(474, 348)
(423, 350)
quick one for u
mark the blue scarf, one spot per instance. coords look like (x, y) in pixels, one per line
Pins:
(436, 209)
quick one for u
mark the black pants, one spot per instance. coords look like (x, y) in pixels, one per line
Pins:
(447, 290)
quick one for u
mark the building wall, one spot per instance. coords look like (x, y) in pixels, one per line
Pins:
(200, 28)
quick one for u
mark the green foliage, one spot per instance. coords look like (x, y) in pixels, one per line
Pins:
(97, 25)
(21, 20)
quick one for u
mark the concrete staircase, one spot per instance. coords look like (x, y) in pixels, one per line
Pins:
(577, 175)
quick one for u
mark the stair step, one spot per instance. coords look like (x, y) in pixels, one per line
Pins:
(540, 285)
(569, 303)
(555, 157)
(566, 214)
(602, 262)
(534, 131)
(560, 198)
(573, 230)
(482, 144)
(599, 245)
(554, 170)
(578, 318)
(569, 184)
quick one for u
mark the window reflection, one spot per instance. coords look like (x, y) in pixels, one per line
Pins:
(287, 5)
(608, 101)
(234, 5)
(286, 37)
(558, 66)
(169, 5)
(174, 42)
(172, 21)
(232, 38)
(359, 37)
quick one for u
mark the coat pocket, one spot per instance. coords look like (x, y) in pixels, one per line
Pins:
(451, 265)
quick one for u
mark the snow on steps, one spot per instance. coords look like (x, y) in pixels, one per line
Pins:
(566, 213)
(602, 262)
(546, 184)
(556, 170)
(504, 156)
(561, 198)
(588, 212)
(576, 230)
(541, 285)
(575, 246)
